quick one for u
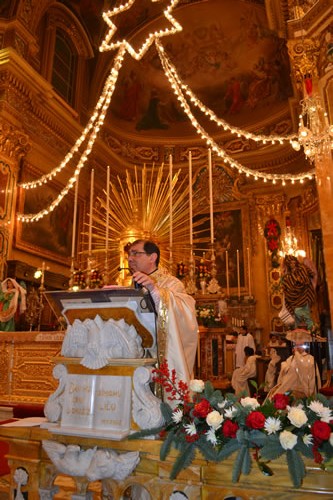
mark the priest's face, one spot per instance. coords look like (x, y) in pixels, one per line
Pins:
(139, 260)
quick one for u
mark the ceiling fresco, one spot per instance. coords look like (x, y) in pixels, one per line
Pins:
(226, 55)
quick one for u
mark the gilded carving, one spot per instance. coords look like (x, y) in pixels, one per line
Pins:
(225, 186)
(304, 56)
(310, 201)
(25, 11)
(267, 206)
(13, 143)
(20, 45)
(130, 150)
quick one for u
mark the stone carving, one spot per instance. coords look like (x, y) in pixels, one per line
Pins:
(146, 411)
(69, 459)
(97, 341)
(92, 463)
(21, 478)
(54, 404)
(108, 464)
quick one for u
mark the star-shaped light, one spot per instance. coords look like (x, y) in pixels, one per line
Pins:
(137, 54)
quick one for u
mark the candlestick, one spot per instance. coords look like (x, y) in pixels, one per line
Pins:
(91, 210)
(227, 270)
(190, 196)
(238, 275)
(211, 195)
(170, 209)
(75, 217)
(107, 210)
(249, 271)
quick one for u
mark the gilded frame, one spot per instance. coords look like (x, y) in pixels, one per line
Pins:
(231, 232)
(54, 231)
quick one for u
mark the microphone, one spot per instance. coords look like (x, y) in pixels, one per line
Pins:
(137, 286)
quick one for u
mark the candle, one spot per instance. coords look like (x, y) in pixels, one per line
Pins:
(238, 275)
(170, 206)
(249, 270)
(190, 195)
(75, 216)
(107, 211)
(211, 195)
(227, 270)
(91, 210)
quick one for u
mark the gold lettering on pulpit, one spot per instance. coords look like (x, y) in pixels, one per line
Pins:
(107, 406)
(78, 388)
(113, 393)
(110, 421)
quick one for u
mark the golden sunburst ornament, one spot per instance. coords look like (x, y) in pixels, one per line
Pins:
(139, 207)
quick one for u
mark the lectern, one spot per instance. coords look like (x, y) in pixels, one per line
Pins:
(104, 370)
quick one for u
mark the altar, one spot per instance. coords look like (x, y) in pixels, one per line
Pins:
(201, 480)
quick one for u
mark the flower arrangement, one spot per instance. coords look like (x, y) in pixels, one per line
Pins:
(202, 270)
(202, 419)
(272, 233)
(206, 315)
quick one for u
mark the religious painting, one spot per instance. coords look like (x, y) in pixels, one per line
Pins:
(51, 236)
(229, 244)
(236, 56)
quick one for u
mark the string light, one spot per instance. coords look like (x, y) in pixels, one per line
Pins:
(225, 125)
(106, 45)
(171, 73)
(96, 121)
(111, 80)
(108, 92)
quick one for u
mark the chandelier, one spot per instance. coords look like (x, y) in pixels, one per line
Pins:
(289, 246)
(315, 134)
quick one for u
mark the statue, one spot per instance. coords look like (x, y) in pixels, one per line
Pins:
(12, 298)
(298, 283)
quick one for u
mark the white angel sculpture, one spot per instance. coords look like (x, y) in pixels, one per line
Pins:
(69, 459)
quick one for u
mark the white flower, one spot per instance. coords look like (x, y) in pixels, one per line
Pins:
(190, 429)
(177, 416)
(197, 385)
(297, 416)
(307, 439)
(331, 439)
(326, 415)
(272, 425)
(230, 412)
(250, 402)
(322, 411)
(214, 419)
(288, 440)
(211, 437)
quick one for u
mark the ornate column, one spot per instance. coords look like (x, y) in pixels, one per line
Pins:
(307, 60)
(14, 145)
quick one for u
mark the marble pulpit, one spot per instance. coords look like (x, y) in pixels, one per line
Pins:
(104, 370)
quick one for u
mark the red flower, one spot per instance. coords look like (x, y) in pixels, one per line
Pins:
(229, 428)
(202, 409)
(281, 401)
(255, 420)
(192, 439)
(273, 245)
(321, 430)
(318, 458)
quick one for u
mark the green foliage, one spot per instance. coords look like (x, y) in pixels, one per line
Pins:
(296, 467)
(165, 448)
(219, 426)
(184, 459)
(272, 449)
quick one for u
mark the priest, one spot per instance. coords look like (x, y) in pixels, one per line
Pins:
(177, 328)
